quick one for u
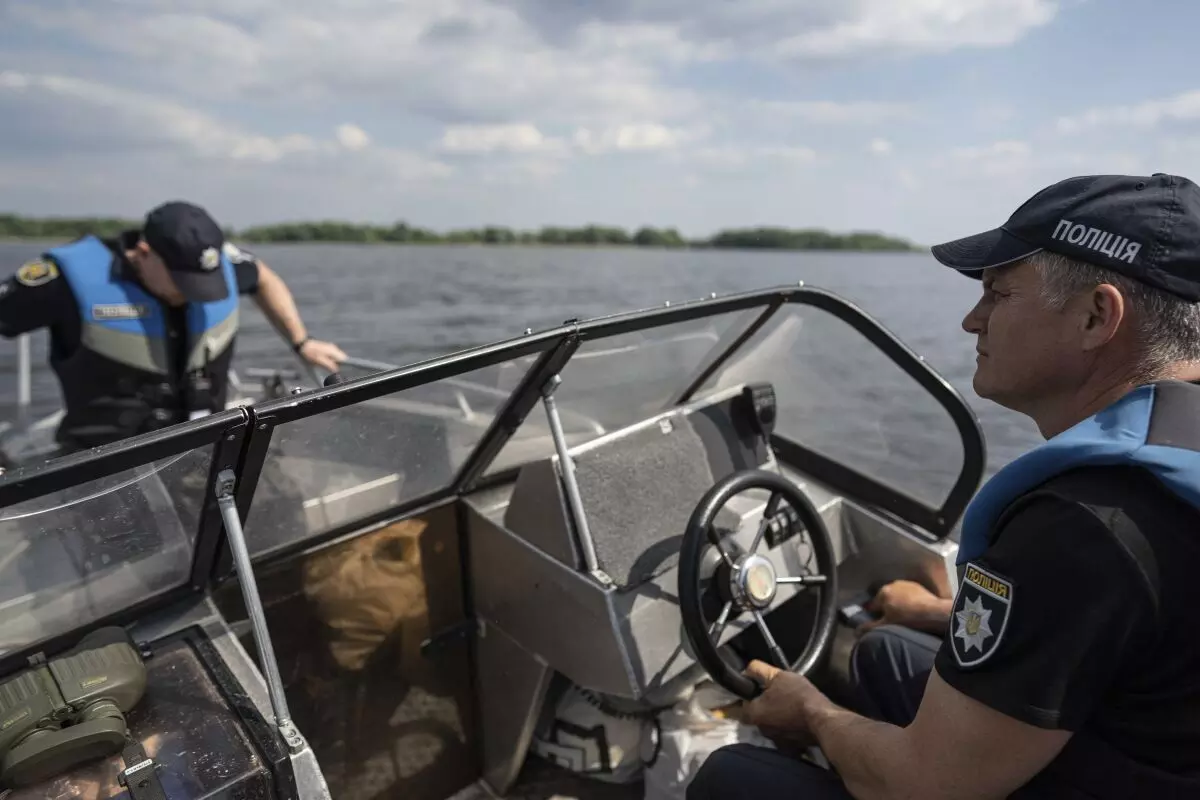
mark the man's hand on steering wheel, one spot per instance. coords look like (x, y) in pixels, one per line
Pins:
(783, 709)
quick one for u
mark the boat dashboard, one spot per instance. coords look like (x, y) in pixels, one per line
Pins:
(613, 625)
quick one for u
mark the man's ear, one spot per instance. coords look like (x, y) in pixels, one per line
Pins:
(1102, 311)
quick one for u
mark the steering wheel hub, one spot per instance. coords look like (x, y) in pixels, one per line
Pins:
(754, 582)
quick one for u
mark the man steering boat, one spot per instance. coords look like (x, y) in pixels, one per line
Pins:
(1068, 664)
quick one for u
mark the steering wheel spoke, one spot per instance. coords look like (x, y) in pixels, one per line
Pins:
(771, 509)
(804, 580)
(716, 543)
(748, 582)
(718, 626)
(780, 659)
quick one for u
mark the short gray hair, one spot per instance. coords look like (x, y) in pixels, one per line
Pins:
(1168, 326)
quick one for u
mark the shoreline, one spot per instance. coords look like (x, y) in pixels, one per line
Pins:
(527, 245)
(18, 228)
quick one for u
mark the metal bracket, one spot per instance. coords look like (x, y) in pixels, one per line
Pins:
(523, 399)
(602, 577)
(224, 488)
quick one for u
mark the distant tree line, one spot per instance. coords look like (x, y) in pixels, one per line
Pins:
(766, 238)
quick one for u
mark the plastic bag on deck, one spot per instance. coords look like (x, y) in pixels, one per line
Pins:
(686, 735)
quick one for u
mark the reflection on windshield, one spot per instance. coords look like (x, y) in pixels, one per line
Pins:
(74, 556)
(340, 467)
(617, 381)
(840, 396)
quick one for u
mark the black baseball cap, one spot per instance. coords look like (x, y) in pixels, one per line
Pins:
(190, 243)
(1144, 227)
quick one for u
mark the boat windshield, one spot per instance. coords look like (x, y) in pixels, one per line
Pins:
(92, 535)
(92, 549)
(328, 471)
(843, 397)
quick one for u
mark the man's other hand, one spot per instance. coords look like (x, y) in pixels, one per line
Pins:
(910, 604)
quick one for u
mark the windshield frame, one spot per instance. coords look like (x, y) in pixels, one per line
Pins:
(241, 436)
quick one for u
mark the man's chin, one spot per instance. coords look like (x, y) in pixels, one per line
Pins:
(983, 387)
(987, 390)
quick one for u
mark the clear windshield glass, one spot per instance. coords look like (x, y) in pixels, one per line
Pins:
(71, 557)
(613, 382)
(842, 397)
(343, 466)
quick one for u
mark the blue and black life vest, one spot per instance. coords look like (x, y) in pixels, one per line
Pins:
(129, 374)
(1155, 427)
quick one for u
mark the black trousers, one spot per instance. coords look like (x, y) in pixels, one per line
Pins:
(889, 667)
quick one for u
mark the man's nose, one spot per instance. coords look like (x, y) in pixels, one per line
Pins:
(975, 320)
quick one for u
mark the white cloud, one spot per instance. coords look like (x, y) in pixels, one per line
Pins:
(773, 29)
(519, 137)
(492, 61)
(1001, 159)
(454, 61)
(644, 136)
(1010, 148)
(832, 113)
(918, 25)
(1019, 163)
(879, 147)
(352, 137)
(1185, 106)
(138, 122)
(733, 156)
(151, 121)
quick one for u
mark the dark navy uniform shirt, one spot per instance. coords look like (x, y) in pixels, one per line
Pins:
(1084, 614)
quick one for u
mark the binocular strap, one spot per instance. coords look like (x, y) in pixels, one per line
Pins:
(140, 775)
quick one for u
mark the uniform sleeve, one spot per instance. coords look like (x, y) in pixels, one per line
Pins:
(1046, 618)
(245, 268)
(36, 296)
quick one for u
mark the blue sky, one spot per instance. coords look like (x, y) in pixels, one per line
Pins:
(924, 118)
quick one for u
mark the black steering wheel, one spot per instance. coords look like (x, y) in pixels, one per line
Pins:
(746, 582)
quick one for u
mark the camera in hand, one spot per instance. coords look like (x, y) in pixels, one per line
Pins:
(69, 710)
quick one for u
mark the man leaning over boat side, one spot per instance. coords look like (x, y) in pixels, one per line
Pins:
(143, 327)
(1069, 660)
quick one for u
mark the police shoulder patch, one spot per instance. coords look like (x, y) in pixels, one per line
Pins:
(36, 273)
(980, 615)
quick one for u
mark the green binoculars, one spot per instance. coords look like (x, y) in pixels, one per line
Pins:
(69, 710)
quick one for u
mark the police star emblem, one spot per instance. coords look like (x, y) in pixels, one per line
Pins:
(980, 615)
(210, 258)
(35, 273)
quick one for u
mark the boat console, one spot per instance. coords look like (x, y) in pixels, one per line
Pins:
(385, 585)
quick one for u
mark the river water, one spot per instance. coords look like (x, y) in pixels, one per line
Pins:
(401, 303)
